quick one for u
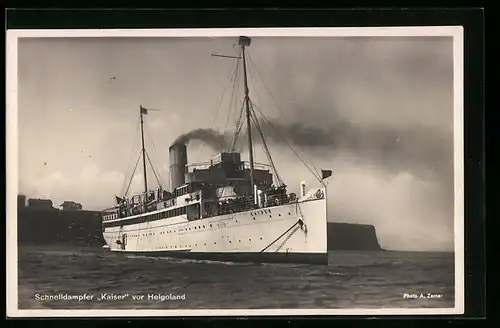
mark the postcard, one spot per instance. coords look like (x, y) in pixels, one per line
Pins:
(195, 172)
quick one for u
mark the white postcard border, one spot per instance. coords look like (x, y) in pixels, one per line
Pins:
(12, 162)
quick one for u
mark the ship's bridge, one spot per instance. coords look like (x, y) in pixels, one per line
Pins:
(229, 169)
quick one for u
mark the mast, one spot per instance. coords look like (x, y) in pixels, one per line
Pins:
(245, 41)
(143, 152)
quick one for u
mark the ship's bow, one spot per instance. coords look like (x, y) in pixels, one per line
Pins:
(313, 213)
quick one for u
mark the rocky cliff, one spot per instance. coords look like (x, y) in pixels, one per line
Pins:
(349, 236)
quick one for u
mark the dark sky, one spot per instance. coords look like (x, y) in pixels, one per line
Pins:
(378, 111)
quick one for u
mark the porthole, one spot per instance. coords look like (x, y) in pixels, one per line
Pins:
(210, 226)
(279, 214)
(270, 216)
(289, 213)
(249, 239)
(203, 227)
(253, 218)
(260, 238)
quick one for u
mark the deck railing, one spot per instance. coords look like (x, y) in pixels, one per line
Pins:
(232, 205)
(246, 203)
(244, 165)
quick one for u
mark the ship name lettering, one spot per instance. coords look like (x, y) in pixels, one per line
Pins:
(112, 297)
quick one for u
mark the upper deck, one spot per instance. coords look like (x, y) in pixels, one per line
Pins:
(200, 186)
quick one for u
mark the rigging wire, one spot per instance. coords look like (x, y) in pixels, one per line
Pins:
(316, 175)
(255, 89)
(130, 161)
(239, 124)
(266, 148)
(155, 153)
(153, 169)
(252, 70)
(132, 176)
(264, 83)
(240, 144)
(240, 121)
(233, 99)
(265, 145)
(231, 75)
(276, 105)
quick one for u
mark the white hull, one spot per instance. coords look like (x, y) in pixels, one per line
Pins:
(271, 234)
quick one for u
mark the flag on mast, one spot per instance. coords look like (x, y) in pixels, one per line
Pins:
(144, 110)
(325, 174)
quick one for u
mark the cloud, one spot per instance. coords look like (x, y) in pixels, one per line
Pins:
(91, 186)
(407, 212)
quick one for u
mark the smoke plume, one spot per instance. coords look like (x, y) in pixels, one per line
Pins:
(396, 149)
(211, 137)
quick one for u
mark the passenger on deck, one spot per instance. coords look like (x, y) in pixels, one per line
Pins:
(219, 208)
(281, 194)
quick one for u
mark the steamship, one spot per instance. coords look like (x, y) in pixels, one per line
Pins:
(225, 210)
